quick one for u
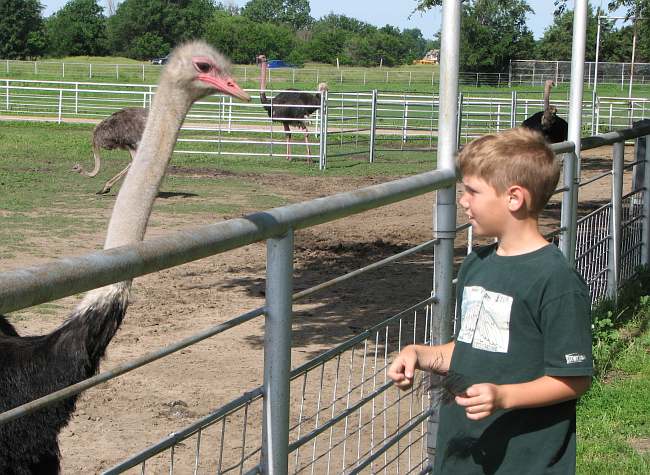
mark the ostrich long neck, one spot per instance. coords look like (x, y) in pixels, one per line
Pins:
(263, 82)
(547, 95)
(135, 200)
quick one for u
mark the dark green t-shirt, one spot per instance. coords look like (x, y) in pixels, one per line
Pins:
(519, 318)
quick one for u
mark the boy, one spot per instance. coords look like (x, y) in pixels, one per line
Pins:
(522, 344)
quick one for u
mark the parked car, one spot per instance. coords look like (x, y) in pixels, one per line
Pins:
(161, 60)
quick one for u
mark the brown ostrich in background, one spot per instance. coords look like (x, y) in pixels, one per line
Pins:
(33, 366)
(290, 107)
(121, 130)
(555, 129)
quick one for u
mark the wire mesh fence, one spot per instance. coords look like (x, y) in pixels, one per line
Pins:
(535, 72)
(345, 416)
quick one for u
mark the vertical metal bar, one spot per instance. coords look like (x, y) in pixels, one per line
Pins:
(322, 153)
(645, 237)
(575, 98)
(459, 120)
(593, 92)
(373, 124)
(60, 105)
(445, 211)
(614, 256)
(63, 70)
(513, 110)
(568, 225)
(277, 354)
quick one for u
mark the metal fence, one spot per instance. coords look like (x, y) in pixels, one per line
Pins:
(343, 416)
(535, 72)
(368, 125)
(56, 70)
(520, 72)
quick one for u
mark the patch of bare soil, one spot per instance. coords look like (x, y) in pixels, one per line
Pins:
(129, 413)
(641, 445)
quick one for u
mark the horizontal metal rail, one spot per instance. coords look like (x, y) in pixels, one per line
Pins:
(175, 437)
(68, 276)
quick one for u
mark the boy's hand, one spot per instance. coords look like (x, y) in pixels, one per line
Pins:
(402, 369)
(480, 400)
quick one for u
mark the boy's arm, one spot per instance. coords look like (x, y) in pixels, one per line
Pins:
(412, 357)
(481, 400)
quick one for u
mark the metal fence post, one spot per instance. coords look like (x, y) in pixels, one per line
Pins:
(445, 208)
(322, 159)
(277, 354)
(60, 105)
(513, 110)
(575, 94)
(645, 237)
(567, 223)
(614, 253)
(373, 124)
(459, 119)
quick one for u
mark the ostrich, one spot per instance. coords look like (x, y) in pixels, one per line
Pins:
(33, 366)
(554, 128)
(120, 130)
(290, 108)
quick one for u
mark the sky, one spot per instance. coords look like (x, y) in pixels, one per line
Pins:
(397, 13)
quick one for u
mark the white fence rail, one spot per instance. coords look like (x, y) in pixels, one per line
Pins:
(372, 124)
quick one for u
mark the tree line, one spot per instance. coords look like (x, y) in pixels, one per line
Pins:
(493, 32)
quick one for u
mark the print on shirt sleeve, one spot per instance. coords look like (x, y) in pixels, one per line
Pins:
(485, 322)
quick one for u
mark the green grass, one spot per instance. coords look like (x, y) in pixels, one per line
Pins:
(42, 198)
(615, 414)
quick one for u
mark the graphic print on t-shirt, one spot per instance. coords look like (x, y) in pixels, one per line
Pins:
(485, 319)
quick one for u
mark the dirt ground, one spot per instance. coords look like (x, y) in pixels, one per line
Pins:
(125, 415)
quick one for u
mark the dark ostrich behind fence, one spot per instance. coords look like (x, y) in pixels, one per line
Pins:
(291, 108)
(33, 366)
(121, 130)
(554, 128)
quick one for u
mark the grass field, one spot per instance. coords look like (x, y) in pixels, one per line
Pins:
(405, 78)
(613, 424)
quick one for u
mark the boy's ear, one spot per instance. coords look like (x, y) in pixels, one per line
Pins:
(517, 197)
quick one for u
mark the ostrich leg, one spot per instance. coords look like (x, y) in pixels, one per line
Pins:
(118, 177)
(287, 131)
(307, 142)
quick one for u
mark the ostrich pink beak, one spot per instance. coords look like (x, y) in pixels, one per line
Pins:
(225, 84)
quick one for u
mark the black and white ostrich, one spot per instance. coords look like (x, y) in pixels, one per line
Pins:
(120, 130)
(290, 107)
(33, 366)
(555, 129)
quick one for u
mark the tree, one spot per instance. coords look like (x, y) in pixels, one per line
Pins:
(168, 22)
(79, 28)
(242, 39)
(556, 42)
(492, 33)
(296, 13)
(22, 33)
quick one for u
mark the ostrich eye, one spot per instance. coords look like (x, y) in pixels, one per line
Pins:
(203, 67)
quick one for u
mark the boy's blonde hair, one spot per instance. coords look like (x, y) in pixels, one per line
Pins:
(515, 157)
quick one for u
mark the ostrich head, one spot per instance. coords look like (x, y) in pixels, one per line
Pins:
(260, 59)
(322, 87)
(198, 69)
